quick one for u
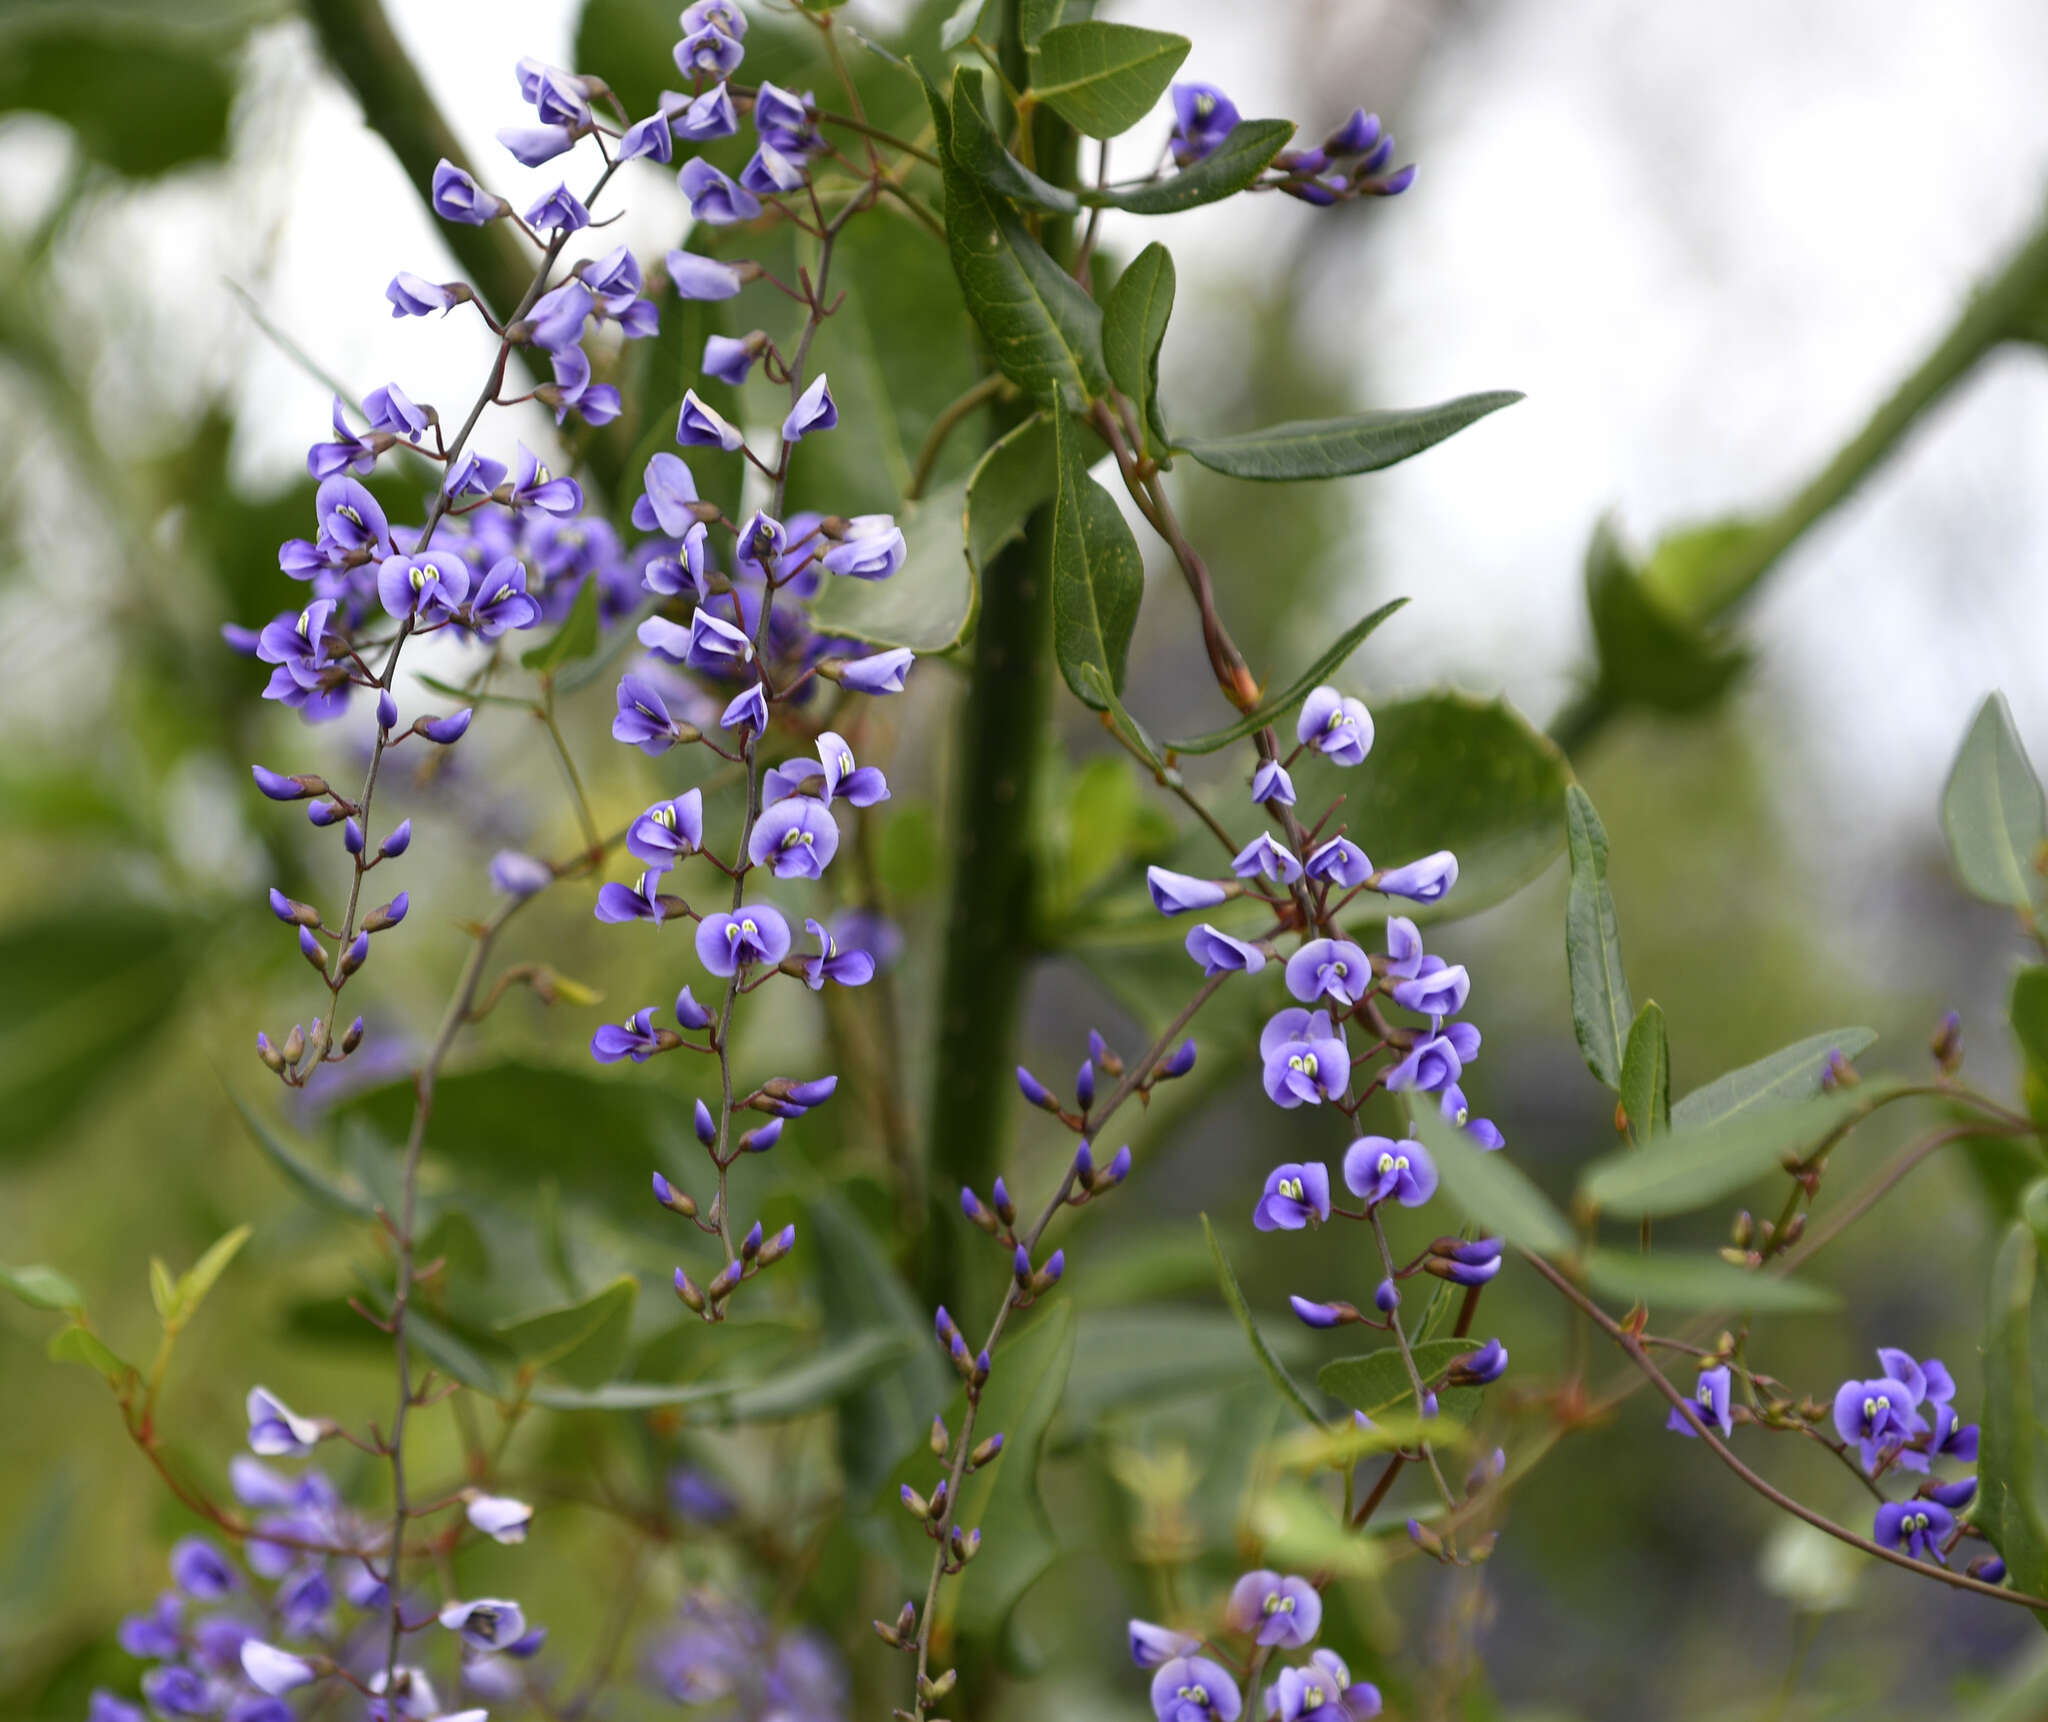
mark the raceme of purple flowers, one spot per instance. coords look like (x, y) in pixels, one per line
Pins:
(1273, 1615)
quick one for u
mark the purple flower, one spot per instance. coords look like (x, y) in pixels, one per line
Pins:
(690, 1014)
(1336, 726)
(1313, 1314)
(1916, 1528)
(428, 585)
(1271, 786)
(297, 645)
(519, 875)
(555, 324)
(649, 137)
(1404, 948)
(814, 411)
(784, 120)
(708, 644)
(199, 1569)
(729, 360)
(769, 172)
(1421, 881)
(1296, 1194)
(533, 486)
(273, 1670)
(798, 836)
(1152, 1645)
(478, 475)
(851, 968)
(1264, 856)
(643, 720)
(1376, 1167)
(1339, 862)
(708, 53)
(728, 943)
(1430, 1065)
(669, 830)
(747, 709)
(669, 489)
(702, 277)
(1437, 991)
(391, 410)
(613, 279)
(1177, 893)
(499, 1517)
(413, 296)
(349, 518)
(532, 145)
(103, 1706)
(1872, 1416)
(883, 673)
(872, 549)
(489, 1623)
(1479, 1368)
(1219, 953)
(1277, 1610)
(276, 1431)
(595, 403)
(699, 427)
(179, 1691)
(714, 197)
(835, 772)
(1321, 1692)
(502, 602)
(1711, 1397)
(641, 901)
(1358, 135)
(561, 210)
(703, 118)
(1329, 968)
(1194, 1689)
(156, 1635)
(1306, 1059)
(458, 197)
(347, 450)
(1203, 116)
(1953, 1438)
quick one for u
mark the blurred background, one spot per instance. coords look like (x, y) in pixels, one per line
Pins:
(1705, 240)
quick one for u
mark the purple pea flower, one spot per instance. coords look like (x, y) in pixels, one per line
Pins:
(349, 519)
(708, 53)
(347, 451)
(643, 720)
(297, 645)
(1177, 893)
(1876, 1415)
(836, 772)
(1329, 968)
(814, 411)
(669, 830)
(730, 360)
(1339, 862)
(761, 542)
(669, 489)
(1219, 953)
(199, 1569)
(1404, 948)
(1306, 1059)
(489, 1623)
(594, 403)
(1264, 856)
(1953, 1438)
(698, 426)
(530, 146)
(478, 475)
(1322, 1692)
(179, 1691)
(872, 549)
(561, 211)
(391, 410)
(499, 1517)
(798, 836)
(1377, 1167)
(1203, 116)
(769, 172)
(458, 197)
(690, 1014)
(1335, 726)
(273, 1670)
(414, 296)
(1153, 1645)
(614, 280)
(533, 486)
(1430, 1065)
(428, 585)
(1916, 1528)
(1271, 786)
(703, 118)
(1479, 1368)
(641, 901)
(784, 120)
(276, 1431)
(1711, 1399)
(883, 673)
(1358, 135)
(747, 709)
(519, 875)
(1296, 1194)
(1421, 881)
(715, 198)
(502, 602)
(703, 277)
(157, 1635)
(728, 943)
(650, 138)
(708, 644)
(851, 968)
(446, 731)
(1321, 1315)
(1439, 992)
(103, 1706)
(1194, 1689)
(1284, 1611)
(555, 324)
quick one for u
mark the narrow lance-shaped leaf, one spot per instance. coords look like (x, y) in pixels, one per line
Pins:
(1103, 79)
(1601, 1012)
(1245, 153)
(1098, 576)
(1337, 448)
(2010, 1454)
(1790, 1074)
(1661, 1281)
(1993, 813)
(1646, 1076)
(978, 151)
(584, 1340)
(1268, 710)
(1133, 325)
(1233, 1295)
(42, 1288)
(1490, 1189)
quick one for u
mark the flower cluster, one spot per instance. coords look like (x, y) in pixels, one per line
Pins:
(1272, 1613)
(724, 1659)
(1350, 163)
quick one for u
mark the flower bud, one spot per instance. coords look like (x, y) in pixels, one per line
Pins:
(1020, 1266)
(707, 1129)
(292, 914)
(726, 1280)
(1176, 1063)
(761, 1140)
(352, 836)
(981, 1370)
(972, 1206)
(937, 1510)
(1743, 1233)
(1947, 1044)
(966, 1545)
(778, 1246)
(681, 1201)
(387, 710)
(1105, 1059)
(397, 843)
(1035, 1092)
(940, 1439)
(294, 1044)
(914, 1503)
(1006, 1209)
(688, 1292)
(1323, 1314)
(309, 948)
(750, 1245)
(323, 813)
(1084, 1084)
(445, 731)
(984, 1451)
(888, 1635)
(268, 1053)
(1386, 1297)
(933, 1689)
(356, 955)
(278, 787)
(354, 1038)
(388, 914)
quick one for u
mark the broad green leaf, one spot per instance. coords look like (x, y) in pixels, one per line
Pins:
(1035, 17)
(1044, 332)
(584, 1342)
(143, 96)
(1489, 1189)
(1098, 575)
(455, 1358)
(1152, 1354)
(1993, 813)
(1448, 771)
(1649, 653)
(926, 603)
(42, 1288)
(1018, 474)
(81, 1345)
(321, 1186)
(1337, 448)
(1233, 1295)
(1232, 165)
(200, 1278)
(1298, 1526)
(1103, 79)
(1267, 711)
(2011, 1454)
(1693, 1167)
(822, 1379)
(980, 152)
(1377, 1382)
(1601, 1011)
(575, 638)
(1646, 1076)
(1790, 1074)
(1661, 1281)
(1133, 325)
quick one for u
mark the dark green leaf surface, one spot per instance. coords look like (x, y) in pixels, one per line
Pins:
(978, 151)
(1378, 1382)
(1993, 813)
(1792, 1073)
(1661, 1281)
(1267, 711)
(1102, 79)
(322, 1186)
(1601, 1011)
(1649, 654)
(1490, 1189)
(2011, 1450)
(822, 1379)
(1227, 169)
(584, 1342)
(1233, 1295)
(1133, 325)
(1646, 1076)
(1098, 576)
(1035, 17)
(1337, 448)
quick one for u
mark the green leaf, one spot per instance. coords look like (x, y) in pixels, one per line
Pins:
(978, 150)
(2011, 1455)
(1649, 653)
(965, 20)
(43, 1288)
(1267, 710)
(82, 1345)
(1663, 1281)
(1035, 17)
(583, 1342)
(1245, 153)
(1337, 448)
(1098, 576)
(1993, 813)
(1019, 473)
(1692, 1167)
(1043, 330)
(823, 1379)
(1151, 1354)
(926, 603)
(1601, 1011)
(1233, 1295)
(1490, 1189)
(2029, 1013)
(1133, 325)
(1790, 1074)
(143, 99)
(575, 638)
(199, 1279)
(163, 1290)
(1103, 79)
(1377, 1382)
(455, 1358)
(1646, 1076)
(316, 1183)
